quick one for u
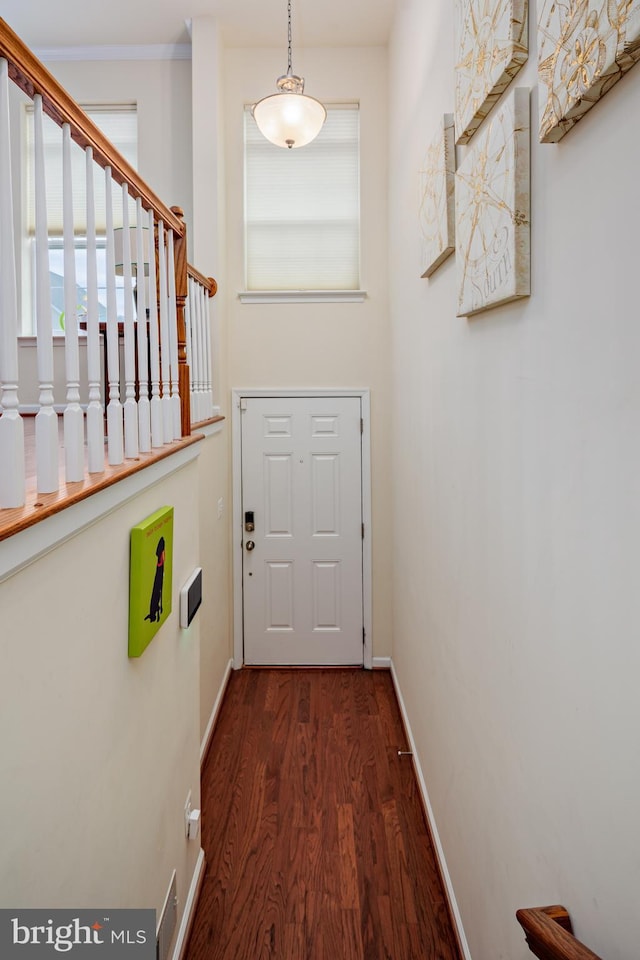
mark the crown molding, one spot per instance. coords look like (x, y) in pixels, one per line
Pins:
(123, 51)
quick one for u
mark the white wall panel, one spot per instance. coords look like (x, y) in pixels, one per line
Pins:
(278, 496)
(517, 520)
(279, 605)
(325, 495)
(326, 595)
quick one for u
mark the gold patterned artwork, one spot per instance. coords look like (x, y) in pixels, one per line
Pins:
(437, 208)
(491, 45)
(584, 47)
(492, 211)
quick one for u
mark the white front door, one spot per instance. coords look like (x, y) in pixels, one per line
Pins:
(302, 562)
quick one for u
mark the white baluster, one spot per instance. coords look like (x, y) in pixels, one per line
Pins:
(73, 416)
(157, 436)
(95, 410)
(195, 349)
(214, 335)
(114, 407)
(173, 339)
(206, 387)
(47, 442)
(130, 407)
(199, 350)
(12, 468)
(167, 413)
(144, 414)
(187, 324)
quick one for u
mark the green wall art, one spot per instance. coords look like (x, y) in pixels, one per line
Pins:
(150, 578)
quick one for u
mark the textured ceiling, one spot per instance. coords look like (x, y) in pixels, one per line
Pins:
(64, 23)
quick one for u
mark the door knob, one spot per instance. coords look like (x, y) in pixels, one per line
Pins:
(250, 545)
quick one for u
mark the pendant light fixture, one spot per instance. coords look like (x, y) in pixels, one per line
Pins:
(289, 118)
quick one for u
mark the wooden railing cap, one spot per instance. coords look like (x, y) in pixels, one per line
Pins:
(548, 932)
(207, 282)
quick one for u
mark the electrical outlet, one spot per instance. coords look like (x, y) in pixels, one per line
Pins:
(187, 814)
(194, 824)
(220, 507)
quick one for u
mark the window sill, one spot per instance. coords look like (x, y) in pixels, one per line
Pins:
(302, 296)
(31, 339)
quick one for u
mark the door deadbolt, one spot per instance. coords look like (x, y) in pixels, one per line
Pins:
(250, 545)
(249, 522)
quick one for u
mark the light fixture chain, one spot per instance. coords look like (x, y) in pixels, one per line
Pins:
(273, 114)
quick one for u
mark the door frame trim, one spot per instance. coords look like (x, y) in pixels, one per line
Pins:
(237, 394)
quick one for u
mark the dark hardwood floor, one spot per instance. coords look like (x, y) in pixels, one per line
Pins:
(312, 826)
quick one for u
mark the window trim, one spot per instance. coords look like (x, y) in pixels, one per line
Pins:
(302, 296)
(307, 295)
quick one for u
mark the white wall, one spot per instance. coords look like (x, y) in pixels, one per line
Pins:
(98, 751)
(215, 613)
(517, 519)
(209, 254)
(320, 345)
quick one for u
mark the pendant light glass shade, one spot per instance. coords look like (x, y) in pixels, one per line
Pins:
(289, 118)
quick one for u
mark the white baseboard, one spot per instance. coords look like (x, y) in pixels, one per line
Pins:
(430, 817)
(198, 873)
(381, 663)
(189, 907)
(204, 746)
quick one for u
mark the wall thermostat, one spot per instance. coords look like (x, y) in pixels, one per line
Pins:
(191, 597)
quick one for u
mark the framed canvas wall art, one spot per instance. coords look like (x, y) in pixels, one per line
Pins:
(584, 47)
(492, 211)
(491, 45)
(437, 206)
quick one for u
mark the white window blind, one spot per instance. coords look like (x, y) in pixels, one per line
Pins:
(302, 208)
(119, 124)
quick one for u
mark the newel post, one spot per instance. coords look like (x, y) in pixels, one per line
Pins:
(182, 290)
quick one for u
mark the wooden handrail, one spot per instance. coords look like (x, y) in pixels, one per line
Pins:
(32, 77)
(207, 282)
(549, 934)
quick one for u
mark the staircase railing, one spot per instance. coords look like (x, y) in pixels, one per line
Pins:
(199, 352)
(549, 934)
(133, 394)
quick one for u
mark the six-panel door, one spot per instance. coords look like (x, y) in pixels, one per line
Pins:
(302, 562)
